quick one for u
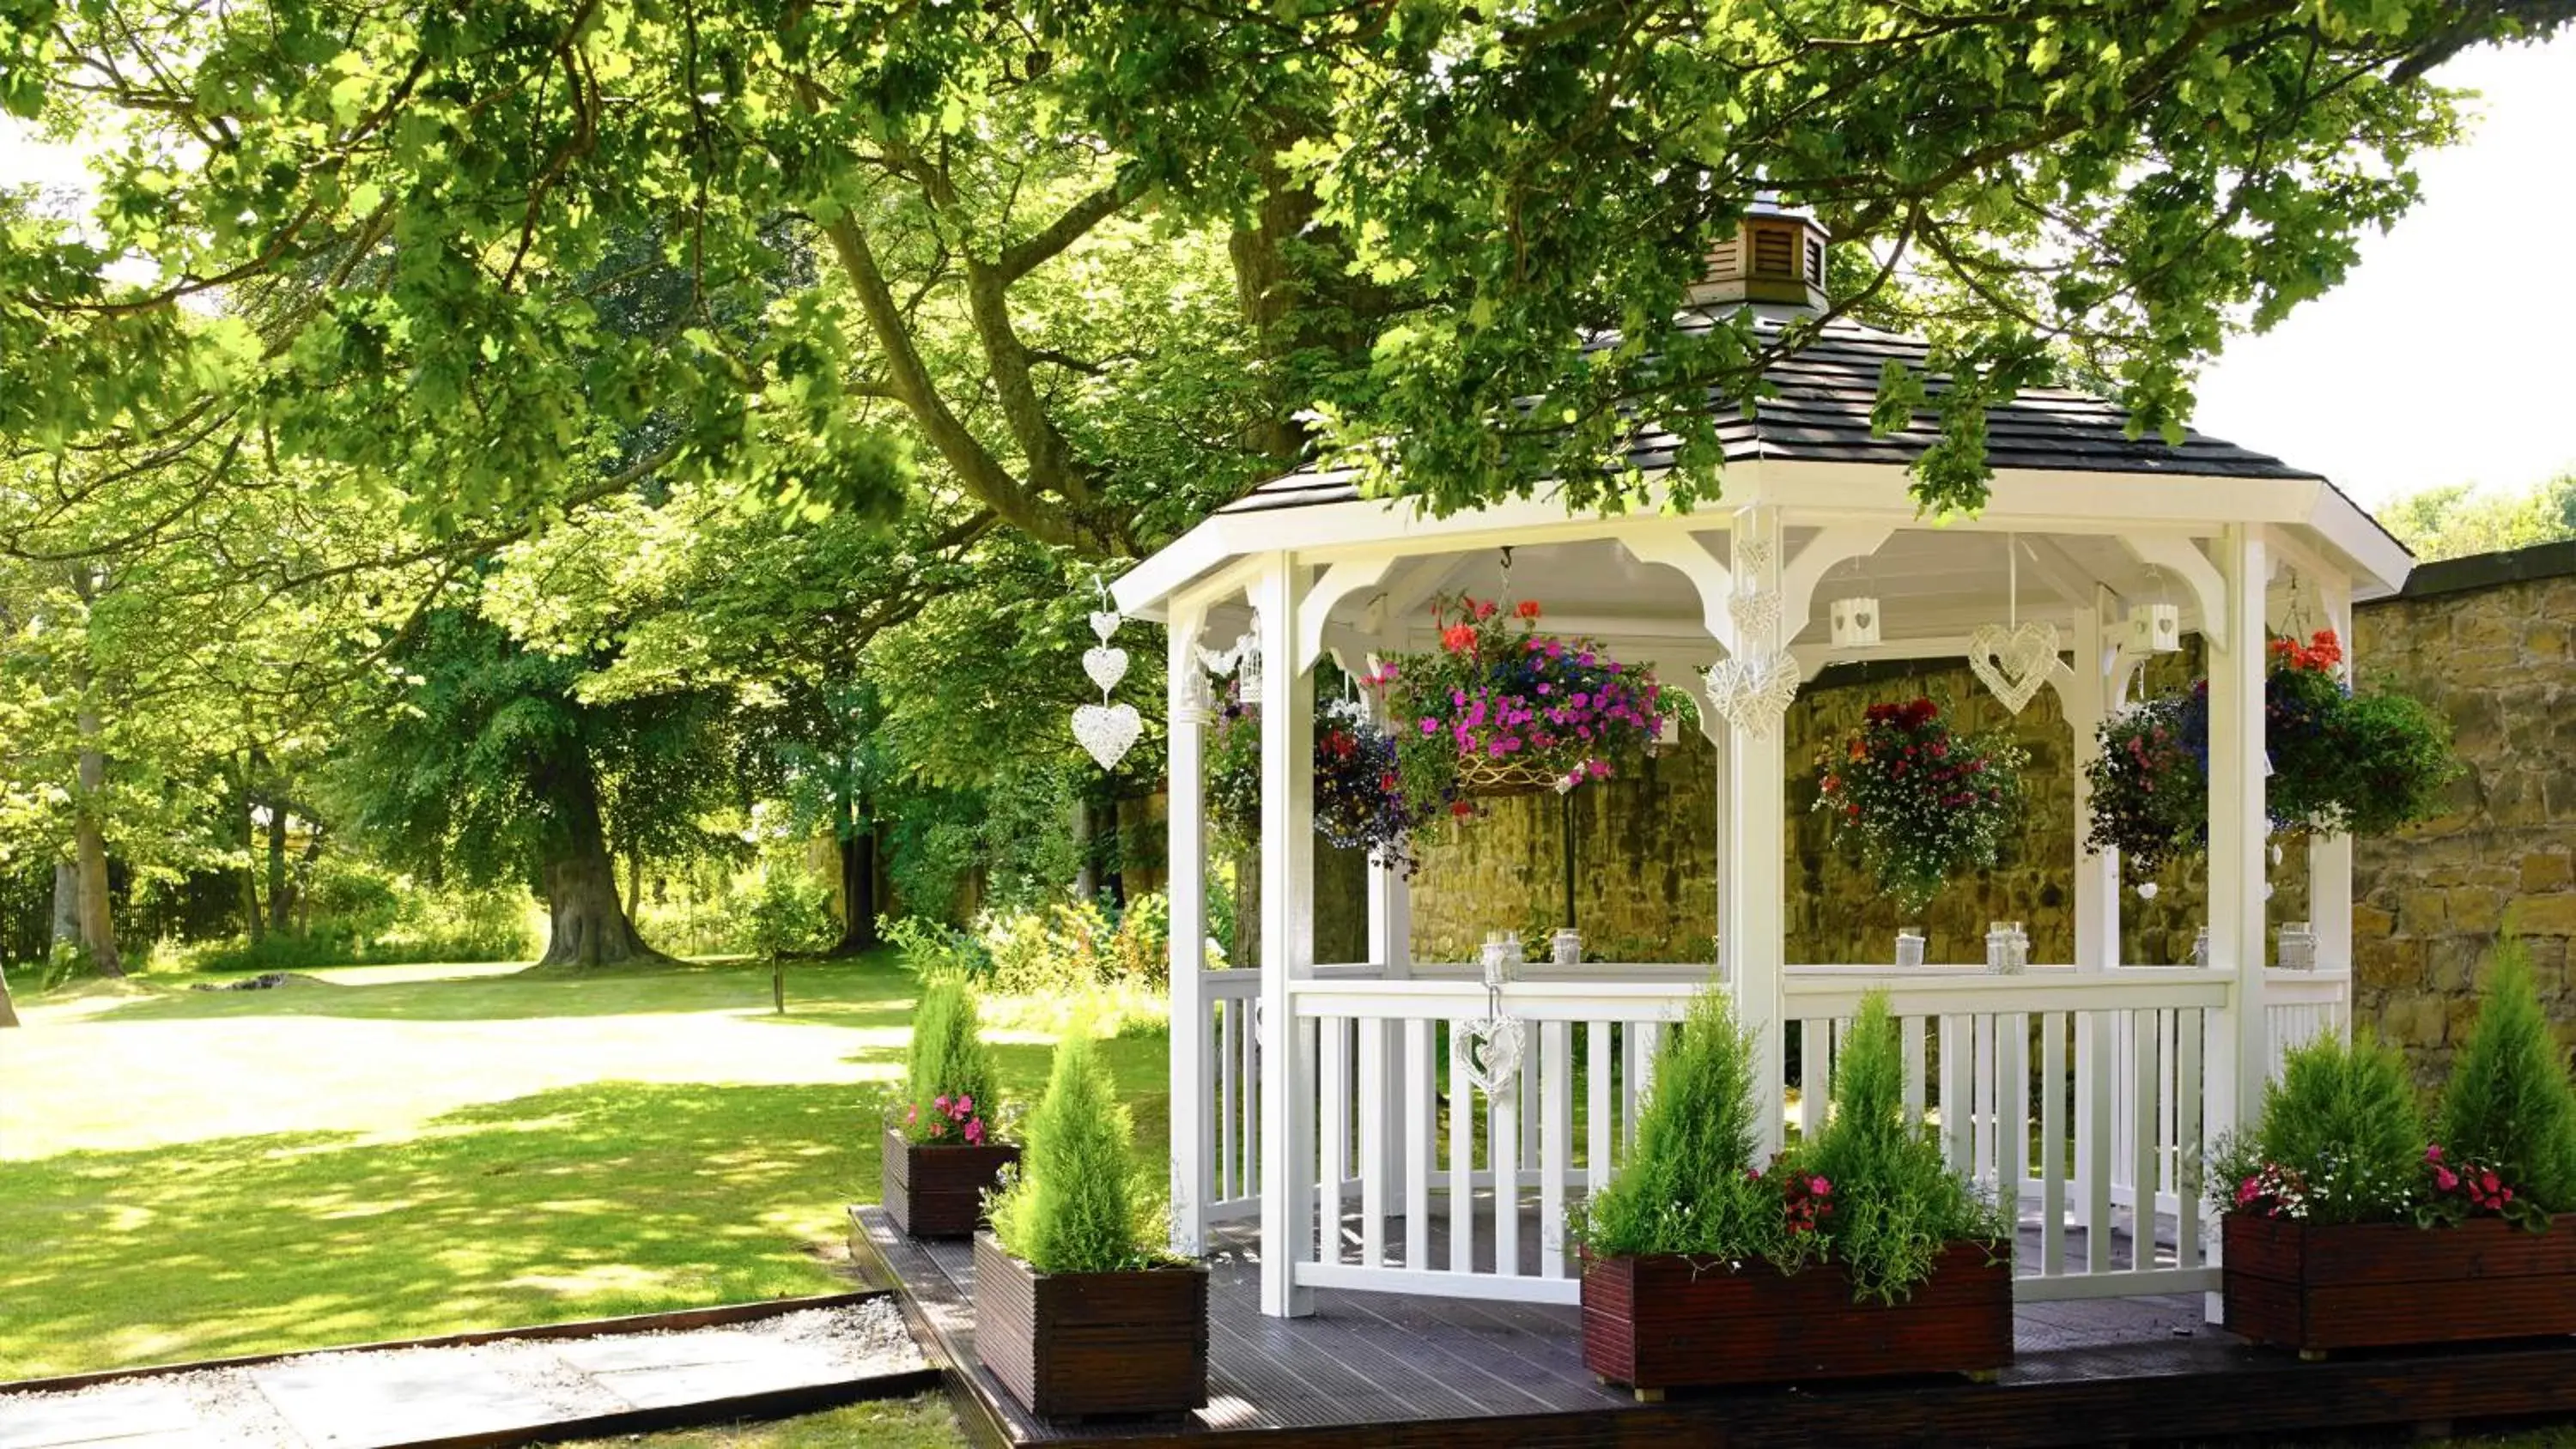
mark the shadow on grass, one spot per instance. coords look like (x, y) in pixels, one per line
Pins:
(814, 988)
(610, 1198)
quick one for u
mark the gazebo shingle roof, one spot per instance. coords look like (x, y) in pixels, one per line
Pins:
(1819, 413)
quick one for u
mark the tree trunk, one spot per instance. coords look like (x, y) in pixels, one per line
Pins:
(634, 882)
(281, 895)
(1086, 867)
(858, 888)
(89, 843)
(8, 1009)
(588, 923)
(66, 905)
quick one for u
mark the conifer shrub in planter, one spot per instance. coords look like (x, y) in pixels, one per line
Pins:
(1077, 1312)
(943, 1147)
(2346, 1228)
(1862, 1254)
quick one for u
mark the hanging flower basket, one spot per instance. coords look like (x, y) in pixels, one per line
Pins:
(1923, 804)
(2341, 762)
(1360, 802)
(1503, 709)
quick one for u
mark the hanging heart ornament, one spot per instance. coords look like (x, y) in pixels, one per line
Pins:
(2013, 663)
(1754, 615)
(1494, 1045)
(1752, 694)
(1105, 665)
(1105, 622)
(1108, 731)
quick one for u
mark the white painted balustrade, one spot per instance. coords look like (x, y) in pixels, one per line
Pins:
(1424, 1184)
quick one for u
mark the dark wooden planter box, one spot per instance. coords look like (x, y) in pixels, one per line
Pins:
(1075, 1345)
(1662, 1322)
(2376, 1285)
(938, 1192)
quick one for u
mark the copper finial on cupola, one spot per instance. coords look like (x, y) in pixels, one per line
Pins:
(1777, 255)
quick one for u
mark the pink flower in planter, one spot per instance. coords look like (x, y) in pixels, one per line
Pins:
(965, 1104)
(975, 1132)
(2433, 1153)
(2445, 1179)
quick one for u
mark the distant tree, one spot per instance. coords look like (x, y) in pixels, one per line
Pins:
(2452, 520)
(485, 762)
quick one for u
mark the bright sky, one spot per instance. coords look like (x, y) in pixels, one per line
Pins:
(2441, 359)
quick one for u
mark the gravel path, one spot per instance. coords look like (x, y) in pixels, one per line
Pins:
(489, 1385)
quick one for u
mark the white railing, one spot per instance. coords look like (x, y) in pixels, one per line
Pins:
(2071, 1088)
(1230, 1130)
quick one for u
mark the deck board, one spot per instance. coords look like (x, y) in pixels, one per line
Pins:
(1403, 1370)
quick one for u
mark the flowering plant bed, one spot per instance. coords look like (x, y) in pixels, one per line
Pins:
(1925, 803)
(2321, 1286)
(934, 1190)
(1072, 1345)
(942, 1150)
(1859, 1254)
(1674, 1321)
(1503, 709)
(2345, 1228)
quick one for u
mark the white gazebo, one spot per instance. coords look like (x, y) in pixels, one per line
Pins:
(1310, 1096)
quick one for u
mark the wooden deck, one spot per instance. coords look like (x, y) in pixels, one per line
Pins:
(1390, 1370)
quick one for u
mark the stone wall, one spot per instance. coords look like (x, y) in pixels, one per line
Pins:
(2487, 641)
(1646, 852)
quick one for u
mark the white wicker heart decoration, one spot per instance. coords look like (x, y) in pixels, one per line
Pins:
(1753, 694)
(2013, 663)
(1105, 665)
(1108, 731)
(1105, 622)
(1494, 1046)
(1755, 615)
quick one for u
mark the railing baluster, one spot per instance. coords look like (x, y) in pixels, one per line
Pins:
(1910, 1031)
(1422, 1128)
(1555, 1144)
(1504, 1158)
(1596, 1105)
(1371, 1106)
(2096, 1099)
(2142, 1176)
(2012, 1108)
(2052, 1143)
(1958, 1107)
(1815, 1066)
(1462, 1156)
(1335, 1129)
(2188, 1025)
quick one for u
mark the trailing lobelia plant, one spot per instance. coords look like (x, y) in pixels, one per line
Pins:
(1925, 804)
(1896, 1201)
(949, 1096)
(2505, 1140)
(1076, 1205)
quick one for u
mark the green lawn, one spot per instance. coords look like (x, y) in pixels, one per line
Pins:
(419, 1150)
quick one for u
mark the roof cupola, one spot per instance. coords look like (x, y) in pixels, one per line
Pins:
(1777, 255)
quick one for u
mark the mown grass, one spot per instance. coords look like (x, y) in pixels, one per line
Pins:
(922, 1423)
(187, 1175)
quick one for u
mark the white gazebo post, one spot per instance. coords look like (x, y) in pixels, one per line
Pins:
(1288, 1159)
(1192, 1053)
(2239, 1049)
(1387, 1083)
(2100, 671)
(1755, 761)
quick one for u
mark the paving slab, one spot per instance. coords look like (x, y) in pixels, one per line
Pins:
(141, 1415)
(368, 1401)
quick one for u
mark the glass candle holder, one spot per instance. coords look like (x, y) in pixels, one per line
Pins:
(1909, 948)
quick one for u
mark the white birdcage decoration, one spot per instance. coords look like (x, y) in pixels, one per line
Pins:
(1854, 621)
(2155, 628)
